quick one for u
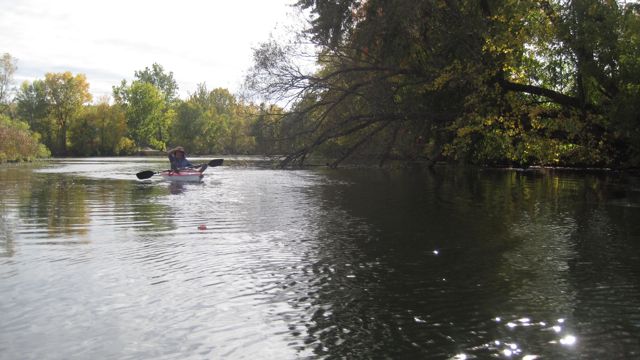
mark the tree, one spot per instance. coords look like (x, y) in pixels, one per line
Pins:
(112, 128)
(267, 130)
(65, 94)
(149, 105)
(32, 106)
(99, 130)
(507, 82)
(17, 142)
(240, 139)
(203, 120)
(155, 76)
(158, 78)
(377, 86)
(148, 120)
(8, 67)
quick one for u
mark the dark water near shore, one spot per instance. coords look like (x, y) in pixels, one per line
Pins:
(347, 263)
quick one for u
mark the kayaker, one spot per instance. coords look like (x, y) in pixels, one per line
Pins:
(178, 159)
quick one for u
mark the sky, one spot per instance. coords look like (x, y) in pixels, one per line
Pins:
(199, 41)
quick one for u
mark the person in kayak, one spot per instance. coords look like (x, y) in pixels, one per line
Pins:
(178, 159)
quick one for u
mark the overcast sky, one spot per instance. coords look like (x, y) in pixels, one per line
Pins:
(198, 40)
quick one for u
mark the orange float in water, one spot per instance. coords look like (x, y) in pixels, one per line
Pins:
(202, 227)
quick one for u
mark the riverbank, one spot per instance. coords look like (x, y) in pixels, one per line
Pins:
(318, 162)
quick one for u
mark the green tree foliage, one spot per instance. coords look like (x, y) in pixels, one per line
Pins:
(560, 69)
(17, 142)
(65, 96)
(32, 107)
(149, 104)
(99, 130)
(148, 119)
(240, 140)
(212, 122)
(161, 80)
(145, 113)
(269, 132)
(156, 76)
(50, 106)
(504, 82)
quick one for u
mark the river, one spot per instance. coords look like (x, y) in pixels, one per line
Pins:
(256, 262)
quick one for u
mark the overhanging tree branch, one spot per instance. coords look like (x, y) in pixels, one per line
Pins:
(557, 97)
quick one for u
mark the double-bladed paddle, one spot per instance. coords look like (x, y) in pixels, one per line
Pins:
(149, 173)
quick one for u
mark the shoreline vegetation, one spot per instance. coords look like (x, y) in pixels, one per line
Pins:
(275, 162)
(495, 84)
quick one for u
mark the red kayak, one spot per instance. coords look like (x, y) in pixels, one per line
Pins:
(188, 174)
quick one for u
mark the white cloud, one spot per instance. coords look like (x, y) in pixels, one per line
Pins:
(199, 41)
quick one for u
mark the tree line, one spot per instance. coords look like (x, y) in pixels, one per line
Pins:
(492, 82)
(56, 116)
(497, 82)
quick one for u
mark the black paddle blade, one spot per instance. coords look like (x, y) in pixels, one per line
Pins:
(216, 162)
(145, 174)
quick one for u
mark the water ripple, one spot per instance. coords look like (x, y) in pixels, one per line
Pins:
(259, 263)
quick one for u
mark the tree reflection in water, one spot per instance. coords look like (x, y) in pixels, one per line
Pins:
(479, 263)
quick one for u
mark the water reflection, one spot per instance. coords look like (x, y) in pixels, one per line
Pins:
(57, 208)
(176, 188)
(7, 244)
(353, 263)
(379, 287)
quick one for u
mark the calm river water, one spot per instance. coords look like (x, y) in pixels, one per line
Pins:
(317, 263)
